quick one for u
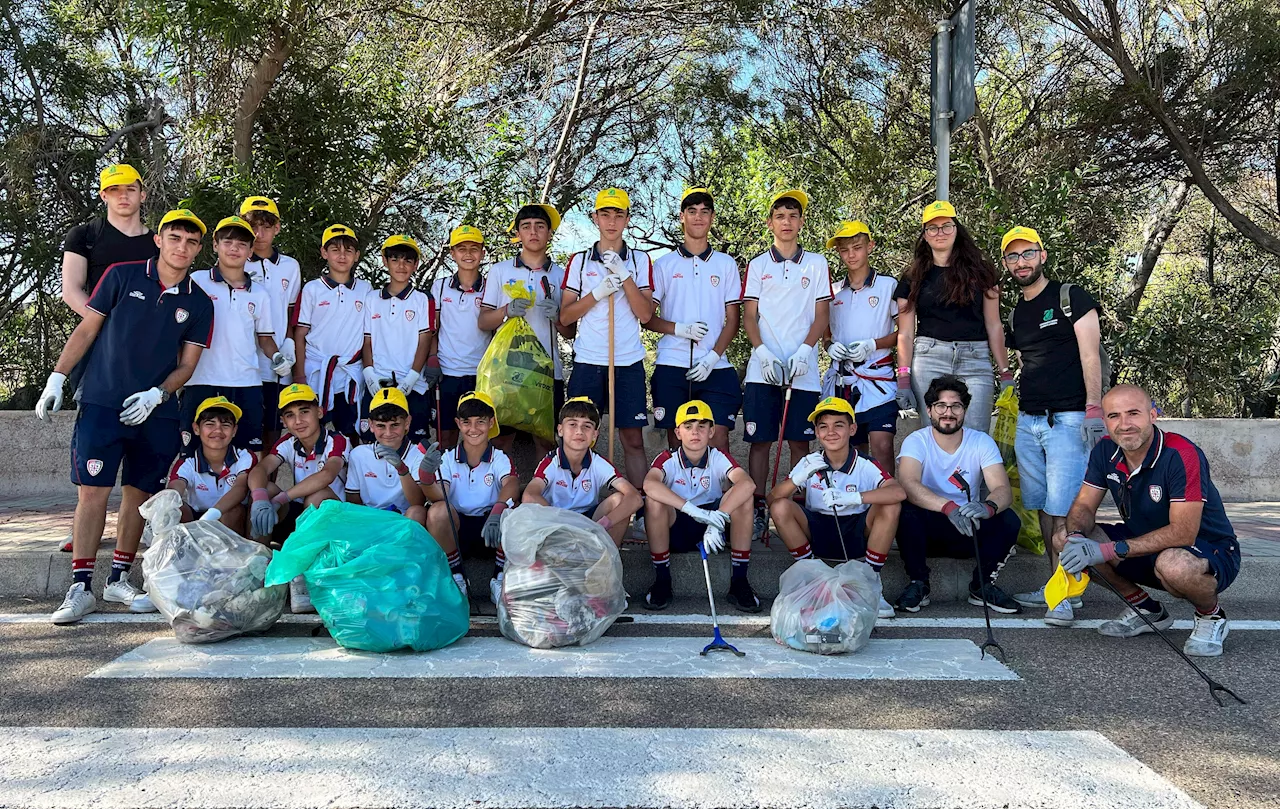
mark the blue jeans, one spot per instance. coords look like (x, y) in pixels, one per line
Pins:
(1051, 460)
(968, 359)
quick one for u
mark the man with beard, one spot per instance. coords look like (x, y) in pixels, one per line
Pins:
(943, 469)
(1054, 329)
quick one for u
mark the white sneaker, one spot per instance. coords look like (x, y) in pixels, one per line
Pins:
(122, 592)
(495, 588)
(299, 598)
(78, 603)
(759, 525)
(1036, 599)
(886, 609)
(1061, 615)
(1207, 636)
(637, 526)
(461, 581)
(1130, 625)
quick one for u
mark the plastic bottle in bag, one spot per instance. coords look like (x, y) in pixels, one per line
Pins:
(824, 609)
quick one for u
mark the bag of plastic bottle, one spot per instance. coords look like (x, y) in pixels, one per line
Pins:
(823, 609)
(563, 581)
(204, 578)
(377, 579)
(1005, 432)
(518, 374)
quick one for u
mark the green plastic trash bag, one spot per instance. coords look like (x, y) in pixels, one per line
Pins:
(378, 579)
(518, 374)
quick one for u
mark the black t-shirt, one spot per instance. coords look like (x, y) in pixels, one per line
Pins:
(937, 318)
(110, 246)
(1052, 377)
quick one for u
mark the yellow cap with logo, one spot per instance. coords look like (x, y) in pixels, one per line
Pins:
(401, 240)
(791, 193)
(833, 404)
(549, 210)
(847, 230)
(481, 396)
(184, 215)
(334, 231)
(694, 410)
(235, 222)
(297, 392)
(688, 192)
(118, 174)
(465, 233)
(612, 198)
(937, 208)
(389, 396)
(1025, 234)
(266, 204)
(219, 403)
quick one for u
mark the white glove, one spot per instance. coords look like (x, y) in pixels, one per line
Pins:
(287, 349)
(139, 406)
(702, 515)
(839, 498)
(798, 365)
(50, 400)
(809, 465)
(770, 365)
(607, 287)
(838, 352)
(407, 381)
(371, 380)
(614, 264)
(280, 364)
(713, 540)
(212, 515)
(859, 351)
(703, 367)
(691, 331)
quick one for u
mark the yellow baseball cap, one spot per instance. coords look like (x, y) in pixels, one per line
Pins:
(401, 240)
(219, 402)
(389, 396)
(118, 174)
(297, 393)
(612, 198)
(235, 222)
(937, 208)
(480, 396)
(694, 410)
(688, 192)
(334, 231)
(847, 230)
(465, 233)
(184, 215)
(252, 204)
(791, 193)
(550, 211)
(1025, 234)
(833, 404)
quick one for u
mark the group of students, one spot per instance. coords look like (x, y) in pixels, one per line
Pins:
(349, 372)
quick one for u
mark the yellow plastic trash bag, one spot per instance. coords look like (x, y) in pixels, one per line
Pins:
(1004, 432)
(1062, 585)
(518, 374)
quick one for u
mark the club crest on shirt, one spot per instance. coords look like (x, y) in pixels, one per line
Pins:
(409, 315)
(284, 283)
(93, 466)
(359, 306)
(706, 483)
(659, 413)
(231, 480)
(874, 300)
(804, 283)
(586, 484)
(751, 428)
(186, 437)
(181, 315)
(250, 306)
(488, 479)
(1156, 493)
(364, 425)
(715, 280)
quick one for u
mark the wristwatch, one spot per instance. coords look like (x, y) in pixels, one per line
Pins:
(1122, 548)
(164, 395)
(994, 508)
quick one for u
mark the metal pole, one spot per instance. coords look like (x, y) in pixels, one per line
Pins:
(942, 107)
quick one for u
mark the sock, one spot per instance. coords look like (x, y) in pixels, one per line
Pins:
(802, 552)
(661, 564)
(741, 560)
(455, 561)
(82, 572)
(1216, 612)
(876, 560)
(499, 563)
(1143, 601)
(121, 564)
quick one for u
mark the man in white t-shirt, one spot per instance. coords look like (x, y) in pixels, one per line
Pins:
(943, 467)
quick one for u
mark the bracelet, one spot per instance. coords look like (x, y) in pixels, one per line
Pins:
(904, 370)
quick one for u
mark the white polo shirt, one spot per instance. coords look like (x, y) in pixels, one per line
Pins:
(474, 491)
(393, 324)
(334, 313)
(977, 451)
(240, 314)
(281, 277)
(858, 474)
(455, 317)
(496, 297)
(376, 481)
(205, 487)
(867, 313)
(584, 273)
(787, 291)
(305, 464)
(690, 288)
(703, 483)
(581, 492)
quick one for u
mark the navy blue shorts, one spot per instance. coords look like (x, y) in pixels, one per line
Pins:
(1223, 559)
(342, 416)
(557, 402)
(451, 390)
(762, 411)
(879, 419)
(419, 416)
(686, 532)
(249, 400)
(670, 390)
(824, 536)
(101, 445)
(270, 406)
(631, 399)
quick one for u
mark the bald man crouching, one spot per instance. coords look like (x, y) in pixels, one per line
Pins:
(1175, 535)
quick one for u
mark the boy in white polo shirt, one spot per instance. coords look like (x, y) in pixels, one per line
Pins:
(787, 298)
(330, 331)
(213, 479)
(863, 330)
(243, 332)
(460, 342)
(574, 478)
(281, 276)
(611, 269)
(533, 227)
(698, 293)
(383, 474)
(397, 338)
(696, 493)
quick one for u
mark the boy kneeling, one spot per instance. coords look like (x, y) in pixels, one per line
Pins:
(212, 478)
(696, 493)
(851, 498)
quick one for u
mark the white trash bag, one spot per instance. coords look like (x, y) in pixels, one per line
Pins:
(823, 609)
(563, 580)
(205, 578)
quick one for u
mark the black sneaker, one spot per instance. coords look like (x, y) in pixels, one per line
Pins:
(741, 596)
(659, 595)
(996, 599)
(915, 596)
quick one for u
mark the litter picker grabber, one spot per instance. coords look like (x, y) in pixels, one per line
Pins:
(613, 415)
(718, 643)
(957, 478)
(826, 478)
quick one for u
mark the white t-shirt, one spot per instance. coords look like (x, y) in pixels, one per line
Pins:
(703, 483)
(474, 491)
(584, 273)
(393, 324)
(581, 492)
(282, 278)
(240, 314)
(690, 288)
(787, 292)
(867, 313)
(376, 481)
(305, 464)
(334, 315)
(206, 487)
(496, 297)
(977, 451)
(858, 474)
(461, 342)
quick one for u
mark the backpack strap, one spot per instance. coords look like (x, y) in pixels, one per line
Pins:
(1064, 298)
(94, 232)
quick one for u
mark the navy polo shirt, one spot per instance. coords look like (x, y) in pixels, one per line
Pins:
(146, 326)
(1174, 471)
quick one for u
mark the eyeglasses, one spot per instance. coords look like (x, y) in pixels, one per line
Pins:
(945, 230)
(944, 407)
(1026, 255)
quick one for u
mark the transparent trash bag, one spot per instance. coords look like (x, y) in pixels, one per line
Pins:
(377, 579)
(563, 581)
(518, 374)
(823, 609)
(206, 580)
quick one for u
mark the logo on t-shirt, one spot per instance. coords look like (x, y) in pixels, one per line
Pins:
(804, 283)
(137, 294)
(1048, 314)
(715, 280)
(359, 305)
(371, 474)
(181, 315)
(1156, 493)
(874, 300)
(250, 307)
(488, 479)
(409, 315)
(586, 484)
